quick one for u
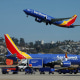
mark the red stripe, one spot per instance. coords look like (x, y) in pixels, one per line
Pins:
(12, 49)
(71, 21)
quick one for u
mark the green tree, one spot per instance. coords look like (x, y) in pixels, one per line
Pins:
(15, 40)
(31, 44)
(1, 39)
(22, 42)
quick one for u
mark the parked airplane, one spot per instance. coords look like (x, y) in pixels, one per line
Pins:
(41, 17)
(64, 60)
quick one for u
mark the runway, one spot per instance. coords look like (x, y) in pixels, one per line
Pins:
(38, 76)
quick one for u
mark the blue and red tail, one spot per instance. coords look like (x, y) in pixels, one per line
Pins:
(12, 49)
(69, 22)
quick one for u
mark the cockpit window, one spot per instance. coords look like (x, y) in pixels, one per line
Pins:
(28, 9)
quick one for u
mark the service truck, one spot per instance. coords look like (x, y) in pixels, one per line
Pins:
(35, 63)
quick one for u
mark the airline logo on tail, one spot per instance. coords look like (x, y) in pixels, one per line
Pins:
(12, 49)
(72, 20)
(69, 22)
(66, 57)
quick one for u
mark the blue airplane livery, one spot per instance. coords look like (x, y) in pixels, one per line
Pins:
(41, 17)
(65, 60)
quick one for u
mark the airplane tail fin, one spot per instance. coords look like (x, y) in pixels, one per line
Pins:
(71, 20)
(12, 48)
(66, 57)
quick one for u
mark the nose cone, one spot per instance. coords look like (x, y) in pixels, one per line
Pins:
(24, 10)
(27, 11)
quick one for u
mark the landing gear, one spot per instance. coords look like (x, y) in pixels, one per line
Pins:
(46, 23)
(27, 16)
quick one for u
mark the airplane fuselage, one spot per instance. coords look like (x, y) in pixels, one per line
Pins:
(41, 17)
(47, 58)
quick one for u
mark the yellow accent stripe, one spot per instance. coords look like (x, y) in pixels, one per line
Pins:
(26, 55)
(22, 53)
(12, 42)
(72, 17)
(65, 22)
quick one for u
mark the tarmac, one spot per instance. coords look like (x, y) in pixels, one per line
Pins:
(38, 76)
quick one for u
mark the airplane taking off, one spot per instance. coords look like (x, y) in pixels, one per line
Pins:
(65, 60)
(41, 17)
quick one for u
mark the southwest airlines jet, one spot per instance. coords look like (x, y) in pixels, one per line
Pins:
(65, 60)
(41, 17)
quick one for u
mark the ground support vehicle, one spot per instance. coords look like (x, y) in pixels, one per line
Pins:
(35, 63)
(29, 70)
(22, 67)
(68, 70)
(46, 69)
(6, 70)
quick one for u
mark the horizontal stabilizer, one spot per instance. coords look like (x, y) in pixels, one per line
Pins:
(74, 25)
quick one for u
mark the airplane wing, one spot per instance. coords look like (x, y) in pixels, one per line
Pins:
(12, 55)
(59, 19)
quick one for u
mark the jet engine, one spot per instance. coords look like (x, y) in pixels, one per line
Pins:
(65, 64)
(38, 20)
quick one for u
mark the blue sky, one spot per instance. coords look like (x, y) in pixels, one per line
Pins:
(13, 20)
